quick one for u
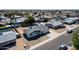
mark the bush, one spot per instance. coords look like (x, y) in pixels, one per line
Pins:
(45, 19)
(68, 15)
(75, 40)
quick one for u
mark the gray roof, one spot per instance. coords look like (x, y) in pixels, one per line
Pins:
(69, 20)
(55, 22)
(18, 20)
(7, 36)
(40, 28)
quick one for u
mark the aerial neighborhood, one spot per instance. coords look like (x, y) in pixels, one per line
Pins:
(39, 29)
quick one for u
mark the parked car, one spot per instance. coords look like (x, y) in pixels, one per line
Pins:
(63, 47)
(69, 31)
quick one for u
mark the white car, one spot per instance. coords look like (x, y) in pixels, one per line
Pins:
(63, 47)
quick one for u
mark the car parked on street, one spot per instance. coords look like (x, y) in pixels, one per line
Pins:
(63, 47)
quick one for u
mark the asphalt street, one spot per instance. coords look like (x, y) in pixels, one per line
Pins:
(54, 44)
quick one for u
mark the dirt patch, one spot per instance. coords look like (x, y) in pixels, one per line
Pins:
(59, 30)
(34, 42)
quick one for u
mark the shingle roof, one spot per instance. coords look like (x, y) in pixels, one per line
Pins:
(40, 28)
(69, 20)
(55, 22)
(7, 36)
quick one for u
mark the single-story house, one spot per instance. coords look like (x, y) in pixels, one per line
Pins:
(35, 31)
(58, 17)
(55, 24)
(49, 17)
(7, 36)
(38, 19)
(69, 21)
(8, 20)
(18, 20)
(77, 19)
(2, 21)
(15, 16)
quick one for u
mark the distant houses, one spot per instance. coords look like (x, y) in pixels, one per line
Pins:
(35, 31)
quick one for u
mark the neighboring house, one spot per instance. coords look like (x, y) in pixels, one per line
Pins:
(35, 31)
(55, 24)
(38, 19)
(77, 19)
(7, 36)
(2, 21)
(18, 20)
(58, 17)
(8, 20)
(69, 21)
(48, 17)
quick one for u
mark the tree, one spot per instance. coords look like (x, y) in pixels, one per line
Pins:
(68, 15)
(23, 24)
(45, 19)
(75, 40)
(31, 19)
(28, 21)
(8, 15)
(35, 13)
(5, 15)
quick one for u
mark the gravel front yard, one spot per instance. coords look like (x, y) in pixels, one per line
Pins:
(34, 42)
(59, 30)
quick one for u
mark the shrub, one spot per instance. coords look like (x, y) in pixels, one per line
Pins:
(75, 40)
